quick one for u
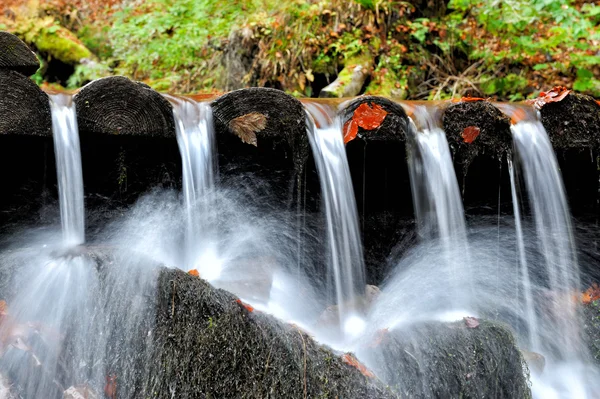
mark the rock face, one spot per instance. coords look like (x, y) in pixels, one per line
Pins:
(16, 56)
(591, 329)
(119, 106)
(451, 360)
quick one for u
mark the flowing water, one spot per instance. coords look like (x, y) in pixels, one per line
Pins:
(68, 168)
(195, 136)
(341, 217)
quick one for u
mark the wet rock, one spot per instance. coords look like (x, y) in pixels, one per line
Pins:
(449, 360)
(208, 345)
(16, 56)
(119, 106)
(80, 392)
(591, 329)
(329, 317)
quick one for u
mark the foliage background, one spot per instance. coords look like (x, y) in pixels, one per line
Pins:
(420, 49)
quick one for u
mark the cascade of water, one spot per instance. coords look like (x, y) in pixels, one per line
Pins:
(559, 272)
(346, 261)
(195, 136)
(436, 197)
(68, 168)
(524, 280)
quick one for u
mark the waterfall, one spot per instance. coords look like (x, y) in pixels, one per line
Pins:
(195, 137)
(346, 262)
(68, 168)
(558, 272)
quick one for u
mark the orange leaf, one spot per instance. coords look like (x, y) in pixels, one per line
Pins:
(381, 336)
(3, 308)
(110, 388)
(369, 118)
(558, 93)
(470, 134)
(350, 130)
(518, 116)
(471, 99)
(352, 361)
(471, 322)
(194, 272)
(591, 294)
(249, 308)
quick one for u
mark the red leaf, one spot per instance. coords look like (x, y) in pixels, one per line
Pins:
(352, 361)
(366, 117)
(471, 322)
(249, 308)
(350, 130)
(470, 134)
(591, 294)
(471, 99)
(369, 118)
(194, 272)
(110, 388)
(382, 336)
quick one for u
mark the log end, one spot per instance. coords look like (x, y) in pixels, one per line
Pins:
(394, 126)
(25, 108)
(572, 122)
(119, 106)
(16, 56)
(477, 127)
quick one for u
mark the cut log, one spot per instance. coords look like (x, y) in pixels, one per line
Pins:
(16, 56)
(119, 106)
(450, 360)
(394, 126)
(477, 127)
(284, 120)
(573, 122)
(24, 108)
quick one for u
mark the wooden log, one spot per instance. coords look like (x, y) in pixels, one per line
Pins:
(573, 122)
(24, 108)
(119, 106)
(394, 127)
(261, 115)
(16, 56)
(476, 127)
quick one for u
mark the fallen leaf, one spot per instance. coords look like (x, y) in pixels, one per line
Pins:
(369, 118)
(246, 126)
(350, 130)
(470, 134)
(558, 93)
(518, 115)
(380, 337)
(366, 117)
(468, 99)
(591, 294)
(110, 388)
(348, 358)
(471, 322)
(194, 272)
(246, 306)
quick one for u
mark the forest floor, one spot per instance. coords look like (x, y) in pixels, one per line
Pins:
(418, 49)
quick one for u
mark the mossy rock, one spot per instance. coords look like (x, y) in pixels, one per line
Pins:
(591, 329)
(452, 360)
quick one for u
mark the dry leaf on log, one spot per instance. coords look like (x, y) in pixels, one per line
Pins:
(246, 126)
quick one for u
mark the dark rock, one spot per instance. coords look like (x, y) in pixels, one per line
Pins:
(450, 360)
(494, 137)
(16, 56)
(573, 122)
(24, 108)
(119, 106)
(208, 345)
(394, 126)
(591, 329)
